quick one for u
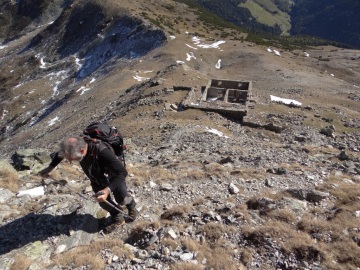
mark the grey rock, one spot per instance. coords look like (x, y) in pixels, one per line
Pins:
(233, 189)
(166, 187)
(5, 195)
(30, 159)
(308, 195)
(186, 256)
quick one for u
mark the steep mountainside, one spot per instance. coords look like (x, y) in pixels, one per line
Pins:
(277, 189)
(334, 20)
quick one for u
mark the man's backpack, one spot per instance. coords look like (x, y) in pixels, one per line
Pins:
(108, 134)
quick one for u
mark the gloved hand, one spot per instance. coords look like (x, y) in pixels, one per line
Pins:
(102, 195)
(45, 172)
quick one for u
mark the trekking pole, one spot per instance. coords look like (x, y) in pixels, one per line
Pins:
(113, 205)
(64, 183)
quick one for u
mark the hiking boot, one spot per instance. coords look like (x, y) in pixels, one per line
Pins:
(132, 211)
(116, 222)
(133, 214)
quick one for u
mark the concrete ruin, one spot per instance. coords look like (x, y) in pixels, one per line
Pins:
(232, 98)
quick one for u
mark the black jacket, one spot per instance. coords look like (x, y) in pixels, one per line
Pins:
(101, 165)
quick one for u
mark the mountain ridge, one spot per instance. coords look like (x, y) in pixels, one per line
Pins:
(277, 189)
(335, 22)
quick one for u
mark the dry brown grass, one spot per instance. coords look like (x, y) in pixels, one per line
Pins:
(314, 150)
(71, 171)
(279, 231)
(193, 174)
(345, 253)
(284, 215)
(345, 190)
(241, 213)
(217, 254)
(319, 123)
(301, 244)
(143, 174)
(9, 179)
(334, 231)
(169, 243)
(214, 231)
(176, 212)
(21, 262)
(91, 255)
(199, 201)
(220, 258)
(56, 173)
(339, 225)
(346, 194)
(143, 225)
(247, 256)
(186, 266)
(190, 244)
(215, 169)
(249, 173)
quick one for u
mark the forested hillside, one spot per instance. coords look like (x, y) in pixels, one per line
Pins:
(337, 20)
(231, 11)
(333, 20)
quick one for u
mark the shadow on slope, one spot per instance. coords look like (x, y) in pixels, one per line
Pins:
(38, 227)
(15, 18)
(91, 32)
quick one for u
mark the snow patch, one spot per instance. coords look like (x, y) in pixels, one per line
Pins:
(285, 101)
(216, 132)
(189, 56)
(218, 64)
(83, 89)
(215, 45)
(191, 47)
(34, 192)
(53, 121)
(140, 79)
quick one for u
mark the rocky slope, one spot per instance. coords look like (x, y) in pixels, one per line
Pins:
(213, 192)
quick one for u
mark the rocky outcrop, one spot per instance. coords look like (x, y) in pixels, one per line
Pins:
(30, 159)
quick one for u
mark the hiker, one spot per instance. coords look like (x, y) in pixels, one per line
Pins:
(106, 173)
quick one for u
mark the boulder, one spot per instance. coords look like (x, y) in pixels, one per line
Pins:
(30, 159)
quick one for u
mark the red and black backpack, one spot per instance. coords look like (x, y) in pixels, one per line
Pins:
(108, 134)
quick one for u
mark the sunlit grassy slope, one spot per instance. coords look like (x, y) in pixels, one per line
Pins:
(266, 12)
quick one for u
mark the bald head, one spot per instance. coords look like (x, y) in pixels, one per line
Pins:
(73, 148)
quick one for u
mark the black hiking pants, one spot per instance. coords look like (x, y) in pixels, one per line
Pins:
(120, 194)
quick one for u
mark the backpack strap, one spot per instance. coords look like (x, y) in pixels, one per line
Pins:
(98, 145)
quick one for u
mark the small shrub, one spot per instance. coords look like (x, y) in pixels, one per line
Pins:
(20, 262)
(241, 213)
(144, 174)
(176, 212)
(246, 256)
(345, 252)
(213, 231)
(91, 255)
(186, 266)
(143, 225)
(284, 215)
(198, 201)
(170, 243)
(9, 179)
(221, 258)
(190, 244)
